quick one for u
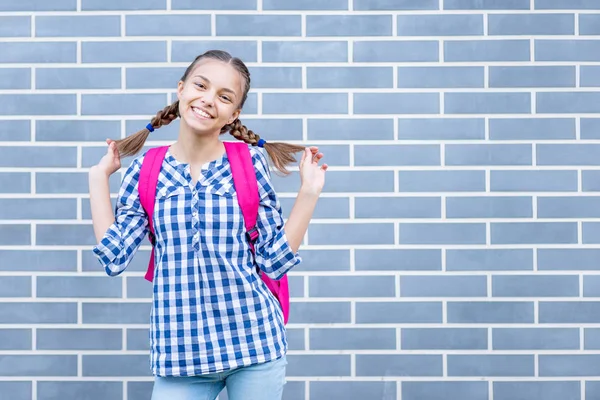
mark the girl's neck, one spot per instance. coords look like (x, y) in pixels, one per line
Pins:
(197, 149)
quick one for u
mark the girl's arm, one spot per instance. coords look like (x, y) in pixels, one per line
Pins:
(101, 206)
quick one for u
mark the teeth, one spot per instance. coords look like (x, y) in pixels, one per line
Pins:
(201, 113)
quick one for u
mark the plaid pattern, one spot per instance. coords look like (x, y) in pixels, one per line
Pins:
(211, 311)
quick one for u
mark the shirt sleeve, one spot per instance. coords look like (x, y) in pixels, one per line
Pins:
(273, 253)
(123, 238)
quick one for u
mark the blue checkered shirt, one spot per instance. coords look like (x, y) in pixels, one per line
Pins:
(210, 312)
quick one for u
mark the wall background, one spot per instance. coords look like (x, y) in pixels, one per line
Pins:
(454, 254)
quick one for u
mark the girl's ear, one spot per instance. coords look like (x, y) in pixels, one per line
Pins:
(234, 116)
(180, 86)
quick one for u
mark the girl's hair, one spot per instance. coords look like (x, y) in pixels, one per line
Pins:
(281, 154)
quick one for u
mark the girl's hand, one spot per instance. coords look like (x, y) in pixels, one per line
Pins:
(312, 175)
(111, 161)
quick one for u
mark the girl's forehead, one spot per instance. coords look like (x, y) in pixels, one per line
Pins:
(219, 73)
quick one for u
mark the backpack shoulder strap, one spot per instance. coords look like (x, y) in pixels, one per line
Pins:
(245, 183)
(148, 181)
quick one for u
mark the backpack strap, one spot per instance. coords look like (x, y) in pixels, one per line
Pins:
(151, 166)
(246, 187)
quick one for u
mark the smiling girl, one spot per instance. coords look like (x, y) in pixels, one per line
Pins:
(214, 323)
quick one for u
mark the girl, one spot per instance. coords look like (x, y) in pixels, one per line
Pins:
(214, 324)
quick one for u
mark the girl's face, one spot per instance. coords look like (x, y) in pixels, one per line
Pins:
(209, 98)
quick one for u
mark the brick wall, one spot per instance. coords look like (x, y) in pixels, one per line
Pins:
(454, 254)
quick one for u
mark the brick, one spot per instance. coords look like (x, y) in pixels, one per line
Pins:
(398, 260)
(38, 52)
(350, 129)
(14, 131)
(336, 234)
(442, 233)
(535, 339)
(78, 78)
(16, 26)
(318, 365)
(568, 154)
(106, 5)
(38, 313)
(443, 286)
(488, 154)
(333, 5)
(124, 51)
(61, 234)
(285, 129)
(327, 207)
(444, 339)
(121, 104)
(15, 339)
(590, 233)
(390, 207)
(295, 338)
(440, 77)
(440, 25)
(463, 390)
(441, 128)
(188, 50)
(38, 157)
(591, 338)
(488, 312)
(489, 260)
(38, 5)
(352, 389)
(540, 390)
(79, 339)
(532, 76)
(351, 286)
(115, 365)
(568, 207)
(78, 26)
(138, 339)
(348, 25)
(491, 365)
(532, 128)
(15, 286)
(394, 5)
(168, 25)
(569, 312)
(567, 50)
(489, 207)
(395, 51)
(305, 103)
(531, 24)
(567, 102)
(396, 103)
(138, 287)
(486, 50)
(589, 77)
(588, 24)
(139, 390)
(259, 25)
(487, 103)
(486, 4)
(590, 181)
(304, 51)
(74, 131)
(349, 77)
(70, 182)
(116, 313)
(325, 260)
(15, 390)
(276, 77)
(535, 286)
(406, 312)
(591, 286)
(209, 5)
(15, 235)
(533, 181)
(38, 365)
(319, 312)
(79, 389)
(399, 365)
(568, 259)
(533, 233)
(569, 365)
(441, 181)
(78, 286)
(401, 155)
(352, 339)
(566, 5)
(38, 104)
(38, 208)
(38, 260)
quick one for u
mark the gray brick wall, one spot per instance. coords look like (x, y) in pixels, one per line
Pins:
(453, 254)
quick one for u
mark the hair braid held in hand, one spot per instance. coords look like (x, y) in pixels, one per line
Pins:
(281, 154)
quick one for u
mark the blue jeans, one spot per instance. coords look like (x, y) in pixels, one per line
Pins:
(257, 382)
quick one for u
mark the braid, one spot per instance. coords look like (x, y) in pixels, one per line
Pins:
(240, 132)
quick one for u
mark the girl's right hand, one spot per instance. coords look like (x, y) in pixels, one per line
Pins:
(111, 161)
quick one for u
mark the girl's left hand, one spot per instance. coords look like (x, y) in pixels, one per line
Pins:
(312, 175)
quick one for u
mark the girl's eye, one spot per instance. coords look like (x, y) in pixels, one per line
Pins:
(200, 85)
(225, 98)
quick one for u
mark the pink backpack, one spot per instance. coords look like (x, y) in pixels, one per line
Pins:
(246, 186)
